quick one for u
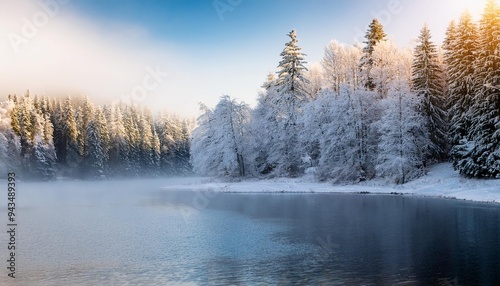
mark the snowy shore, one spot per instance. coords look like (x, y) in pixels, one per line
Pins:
(441, 181)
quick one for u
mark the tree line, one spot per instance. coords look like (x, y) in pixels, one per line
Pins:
(367, 111)
(42, 138)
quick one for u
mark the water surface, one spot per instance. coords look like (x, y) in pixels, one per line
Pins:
(129, 234)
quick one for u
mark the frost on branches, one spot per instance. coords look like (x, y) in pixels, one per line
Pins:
(42, 138)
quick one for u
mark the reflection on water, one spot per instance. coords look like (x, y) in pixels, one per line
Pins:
(128, 236)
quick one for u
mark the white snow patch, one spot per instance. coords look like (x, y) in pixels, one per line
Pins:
(441, 181)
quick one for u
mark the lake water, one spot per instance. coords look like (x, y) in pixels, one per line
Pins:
(130, 234)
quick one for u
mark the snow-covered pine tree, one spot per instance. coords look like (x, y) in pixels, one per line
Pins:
(119, 149)
(155, 152)
(42, 167)
(26, 127)
(94, 158)
(374, 35)
(461, 50)
(427, 77)
(84, 114)
(482, 151)
(182, 163)
(102, 127)
(167, 129)
(146, 138)
(130, 115)
(68, 148)
(10, 144)
(43, 156)
(401, 153)
(292, 95)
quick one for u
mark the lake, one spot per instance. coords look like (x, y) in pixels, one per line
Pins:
(129, 233)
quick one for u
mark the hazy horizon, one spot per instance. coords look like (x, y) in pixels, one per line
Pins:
(174, 54)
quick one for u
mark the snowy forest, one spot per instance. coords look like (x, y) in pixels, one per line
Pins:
(44, 138)
(370, 110)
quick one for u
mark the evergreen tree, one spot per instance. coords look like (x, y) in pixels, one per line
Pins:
(69, 147)
(155, 153)
(84, 115)
(290, 86)
(94, 157)
(47, 132)
(10, 144)
(101, 126)
(374, 36)
(427, 77)
(42, 167)
(15, 115)
(166, 128)
(481, 152)
(461, 54)
(146, 144)
(119, 149)
(183, 164)
(26, 126)
(132, 140)
(43, 156)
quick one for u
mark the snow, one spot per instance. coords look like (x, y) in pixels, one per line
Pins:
(441, 182)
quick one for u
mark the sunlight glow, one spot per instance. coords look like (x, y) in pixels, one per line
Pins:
(475, 7)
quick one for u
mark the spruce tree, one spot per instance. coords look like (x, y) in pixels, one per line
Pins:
(102, 128)
(427, 78)
(291, 87)
(155, 153)
(183, 165)
(374, 35)
(461, 54)
(119, 149)
(94, 159)
(42, 167)
(482, 151)
(132, 140)
(9, 140)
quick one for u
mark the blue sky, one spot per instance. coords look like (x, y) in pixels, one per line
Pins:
(105, 48)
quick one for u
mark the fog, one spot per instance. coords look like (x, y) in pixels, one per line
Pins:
(52, 50)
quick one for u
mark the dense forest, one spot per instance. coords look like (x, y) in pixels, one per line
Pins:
(44, 138)
(369, 110)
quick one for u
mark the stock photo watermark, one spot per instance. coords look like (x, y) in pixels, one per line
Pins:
(224, 6)
(200, 201)
(151, 81)
(31, 26)
(384, 16)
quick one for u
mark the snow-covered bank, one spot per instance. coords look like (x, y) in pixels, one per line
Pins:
(442, 181)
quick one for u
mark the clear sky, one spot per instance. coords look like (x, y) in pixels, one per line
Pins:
(171, 54)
